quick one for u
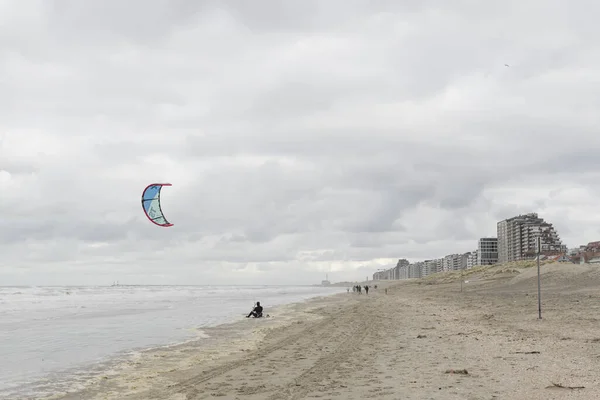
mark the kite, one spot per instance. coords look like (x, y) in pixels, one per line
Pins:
(151, 204)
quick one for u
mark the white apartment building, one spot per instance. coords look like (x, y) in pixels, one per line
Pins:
(459, 262)
(455, 262)
(447, 263)
(439, 264)
(472, 259)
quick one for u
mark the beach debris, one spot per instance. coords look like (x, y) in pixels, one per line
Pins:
(559, 386)
(421, 336)
(527, 352)
(457, 371)
(468, 333)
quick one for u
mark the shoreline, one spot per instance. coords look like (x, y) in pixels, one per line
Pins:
(210, 342)
(136, 372)
(423, 340)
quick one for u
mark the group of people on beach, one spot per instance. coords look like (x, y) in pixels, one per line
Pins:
(358, 289)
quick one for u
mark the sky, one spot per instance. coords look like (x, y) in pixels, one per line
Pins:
(300, 138)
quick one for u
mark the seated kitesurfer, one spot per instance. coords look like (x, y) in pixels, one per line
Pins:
(257, 312)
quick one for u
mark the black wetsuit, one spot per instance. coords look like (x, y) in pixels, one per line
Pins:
(256, 313)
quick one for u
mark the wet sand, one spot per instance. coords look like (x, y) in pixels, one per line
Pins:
(423, 340)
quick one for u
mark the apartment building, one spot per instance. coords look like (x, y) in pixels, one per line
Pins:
(447, 263)
(460, 261)
(429, 267)
(472, 258)
(433, 266)
(400, 269)
(439, 264)
(416, 270)
(517, 238)
(424, 270)
(593, 246)
(487, 251)
(403, 271)
(454, 262)
(589, 253)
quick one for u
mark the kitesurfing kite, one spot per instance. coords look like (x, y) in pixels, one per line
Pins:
(151, 204)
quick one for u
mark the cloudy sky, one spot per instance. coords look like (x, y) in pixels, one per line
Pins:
(301, 138)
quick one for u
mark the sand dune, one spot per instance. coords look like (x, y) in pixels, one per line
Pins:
(423, 340)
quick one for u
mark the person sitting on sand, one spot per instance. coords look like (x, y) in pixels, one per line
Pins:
(257, 312)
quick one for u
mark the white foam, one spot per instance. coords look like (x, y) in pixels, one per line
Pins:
(48, 332)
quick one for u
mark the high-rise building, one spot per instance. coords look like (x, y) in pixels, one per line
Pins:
(416, 270)
(400, 268)
(432, 266)
(487, 251)
(517, 238)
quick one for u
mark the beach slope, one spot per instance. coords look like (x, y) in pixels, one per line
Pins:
(424, 339)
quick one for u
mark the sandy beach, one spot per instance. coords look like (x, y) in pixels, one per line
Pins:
(424, 339)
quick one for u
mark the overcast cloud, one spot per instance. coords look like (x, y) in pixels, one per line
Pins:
(301, 138)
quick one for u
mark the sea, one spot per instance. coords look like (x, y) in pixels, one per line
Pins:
(49, 334)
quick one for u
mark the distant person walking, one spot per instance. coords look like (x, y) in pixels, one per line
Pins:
(367, 289)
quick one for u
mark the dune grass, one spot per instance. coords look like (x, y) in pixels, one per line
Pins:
(482, 271)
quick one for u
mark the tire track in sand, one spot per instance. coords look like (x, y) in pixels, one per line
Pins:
(190, 387)
(325, 365)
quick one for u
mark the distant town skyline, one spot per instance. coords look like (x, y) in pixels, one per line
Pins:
(515, 241)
